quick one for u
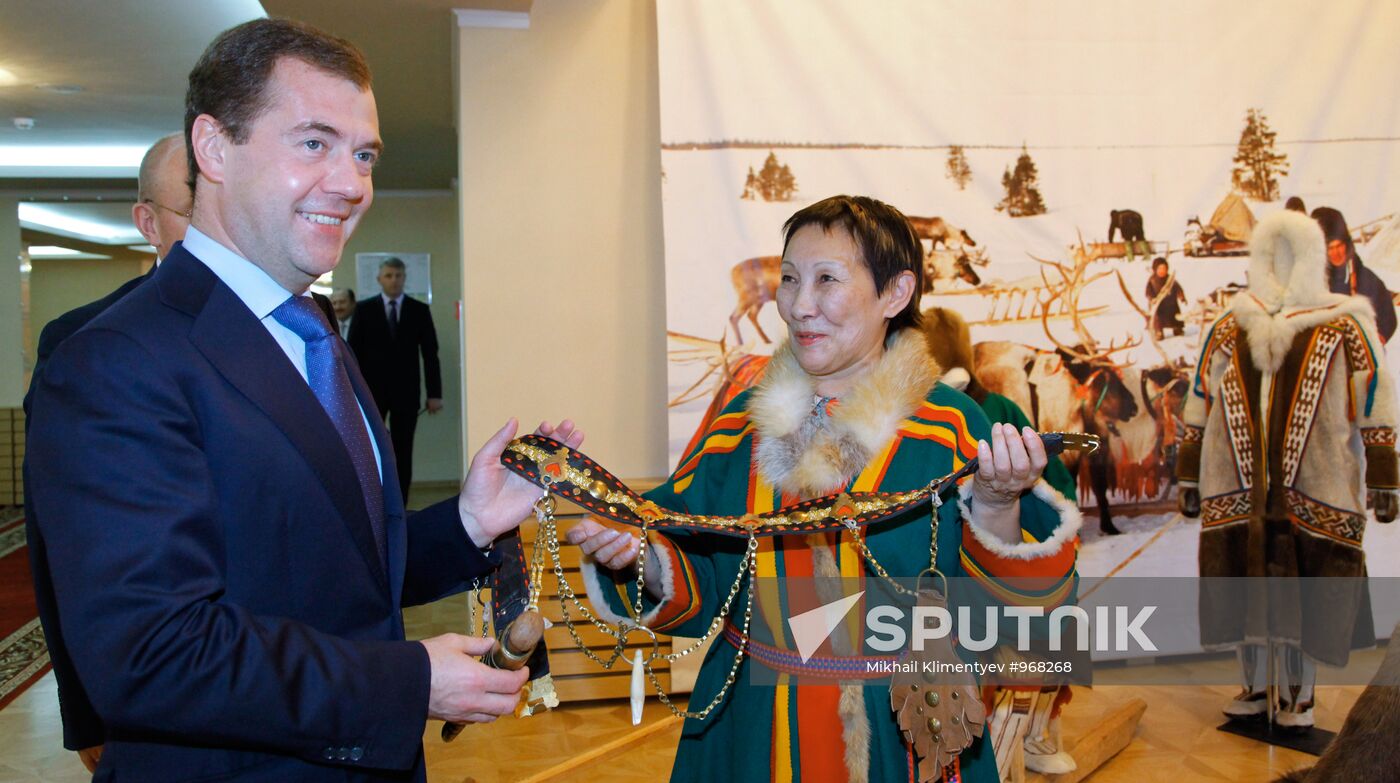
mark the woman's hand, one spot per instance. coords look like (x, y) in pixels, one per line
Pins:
(611, 549)
(1007, 466)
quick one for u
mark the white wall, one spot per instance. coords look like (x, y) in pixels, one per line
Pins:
(563, 272)
(11, 325)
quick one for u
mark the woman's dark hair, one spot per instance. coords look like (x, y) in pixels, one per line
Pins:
(887, 242)
(1158, 261)
(1334, 227)
(229, 83)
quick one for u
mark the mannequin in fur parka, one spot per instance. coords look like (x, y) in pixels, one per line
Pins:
(1291, 410)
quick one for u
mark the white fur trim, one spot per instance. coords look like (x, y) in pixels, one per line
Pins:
(1271, 334)
(1070, 519)
(1288, 257)
(958, 378)
(800, 459)
(595, 585)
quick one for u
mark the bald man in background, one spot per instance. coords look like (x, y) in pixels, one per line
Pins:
(161, 213)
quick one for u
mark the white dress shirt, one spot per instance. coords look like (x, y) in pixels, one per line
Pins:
(261, 294)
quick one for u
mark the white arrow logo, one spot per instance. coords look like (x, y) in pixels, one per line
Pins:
(812, 627)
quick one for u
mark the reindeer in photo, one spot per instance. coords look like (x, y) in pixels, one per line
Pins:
(940, 232)
(755, 283)
(1078, 387)
(942, 268)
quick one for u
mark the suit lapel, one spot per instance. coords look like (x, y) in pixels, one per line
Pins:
(241, 349)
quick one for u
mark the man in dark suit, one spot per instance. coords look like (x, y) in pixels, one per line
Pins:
(227, 544)
(161, 213)
(388, 334)
(343, 301)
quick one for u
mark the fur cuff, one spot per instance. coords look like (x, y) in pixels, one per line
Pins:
(604, 583)
(1070, 520)
(1382, 469)
(1188, 462)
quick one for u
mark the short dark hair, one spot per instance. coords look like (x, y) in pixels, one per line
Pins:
(393, 262)
(1159, 261)
(229, 83)
(887, 242)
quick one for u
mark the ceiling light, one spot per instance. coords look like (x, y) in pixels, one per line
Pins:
(58, 251)
(7, 78)
(24, 123)
(110, 156)
(42, 218)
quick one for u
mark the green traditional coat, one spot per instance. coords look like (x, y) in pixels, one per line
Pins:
(895, 431)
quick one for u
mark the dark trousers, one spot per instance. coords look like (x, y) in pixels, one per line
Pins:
(402, 420)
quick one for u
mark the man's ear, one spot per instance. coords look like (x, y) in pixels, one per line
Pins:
(210, 145)
(144, 216)
(901, 290)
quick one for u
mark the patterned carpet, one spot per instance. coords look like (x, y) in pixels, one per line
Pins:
(23, 656)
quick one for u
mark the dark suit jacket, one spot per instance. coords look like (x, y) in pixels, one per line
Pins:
(81, 726)
(215, 568)
(391, 366)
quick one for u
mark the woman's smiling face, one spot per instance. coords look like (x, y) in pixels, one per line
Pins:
(828, 300)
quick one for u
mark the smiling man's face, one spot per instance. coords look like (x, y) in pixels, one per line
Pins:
(296, 189)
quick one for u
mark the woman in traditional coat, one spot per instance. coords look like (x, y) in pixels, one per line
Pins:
(1290, 436)
(851, 401)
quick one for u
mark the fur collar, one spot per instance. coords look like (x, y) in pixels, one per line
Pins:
(1288, 262)
(1288, 291)
(1271, 334)
(800, 457)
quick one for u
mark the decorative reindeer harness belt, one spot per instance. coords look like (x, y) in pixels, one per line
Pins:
(939, 718)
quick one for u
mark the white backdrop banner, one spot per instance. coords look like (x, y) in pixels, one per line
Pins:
(1024, 126)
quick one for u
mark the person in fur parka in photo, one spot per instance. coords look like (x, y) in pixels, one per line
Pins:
(1290, 436)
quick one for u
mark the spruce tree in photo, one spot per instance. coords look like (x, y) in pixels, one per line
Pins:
(750, 187)
(1022, 187)
(1257, 163)
(775, 181)
(958, 169)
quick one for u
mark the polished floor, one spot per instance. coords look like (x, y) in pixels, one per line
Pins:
(1176, 741)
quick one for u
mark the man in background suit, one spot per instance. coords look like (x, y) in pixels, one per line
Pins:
(343, 300)
(227, 544)
(388, 334)
(161, 213)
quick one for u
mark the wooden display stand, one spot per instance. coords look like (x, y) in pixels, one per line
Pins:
(576, 676)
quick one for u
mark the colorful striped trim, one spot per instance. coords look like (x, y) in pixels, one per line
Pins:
(828, 667)
(964, 444)
(1221, 332)
(1028, 585)
(714, 443)
(1357, 339)
(685, 601)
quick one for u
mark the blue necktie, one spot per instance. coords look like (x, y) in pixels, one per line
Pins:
(325, 372)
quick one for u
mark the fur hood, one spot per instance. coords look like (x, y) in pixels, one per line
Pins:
(799, 457)
(1287, 291)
